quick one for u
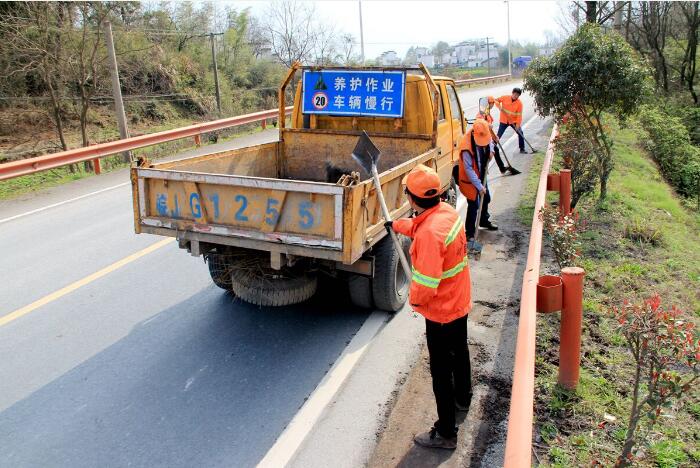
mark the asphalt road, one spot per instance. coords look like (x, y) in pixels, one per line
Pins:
(150, 364)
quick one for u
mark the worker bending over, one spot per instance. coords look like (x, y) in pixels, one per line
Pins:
(511, 108)
(441, 292)
(475, 151)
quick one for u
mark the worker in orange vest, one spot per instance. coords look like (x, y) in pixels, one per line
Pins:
(441, 292)
(497, 153)
(475, 150)
(511, 108)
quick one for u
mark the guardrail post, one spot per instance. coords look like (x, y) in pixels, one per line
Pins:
(96, 166)
(264, 124)
(565, 191)
(198, 140)
(570, 328)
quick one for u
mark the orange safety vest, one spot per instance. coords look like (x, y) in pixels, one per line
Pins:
(465, 185)
(511, 111)
(440, 281)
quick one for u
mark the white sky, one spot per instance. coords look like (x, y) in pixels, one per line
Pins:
(399, 24)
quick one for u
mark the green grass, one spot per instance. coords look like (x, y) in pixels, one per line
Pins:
(619, 263)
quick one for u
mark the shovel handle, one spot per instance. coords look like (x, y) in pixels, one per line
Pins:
(387, 217)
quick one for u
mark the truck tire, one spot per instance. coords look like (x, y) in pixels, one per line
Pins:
(266, 287)
(360, 288)
(390, 286)
(219, 269)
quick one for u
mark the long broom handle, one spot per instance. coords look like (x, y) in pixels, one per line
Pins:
(387, 217)
(495, 138)
(519, 131)
(481, 200)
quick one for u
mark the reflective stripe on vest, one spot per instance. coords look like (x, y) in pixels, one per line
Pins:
(433, 283)
(425, 280)
(510, 112)
(452, 235)
(457, 269)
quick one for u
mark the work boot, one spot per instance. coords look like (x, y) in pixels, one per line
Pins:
(474, 245)
(489, 226)
(523, 151)
(513, 171)
(433, 439)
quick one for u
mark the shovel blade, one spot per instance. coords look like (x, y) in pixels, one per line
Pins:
(366, 153)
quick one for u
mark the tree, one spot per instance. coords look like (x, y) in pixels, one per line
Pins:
(440, 49)
(347, 47)
(33, 32)
(591, 75)
(291, 31)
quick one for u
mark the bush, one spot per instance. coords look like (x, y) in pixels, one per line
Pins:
(563, 232)
(577, 155)
(670, 146)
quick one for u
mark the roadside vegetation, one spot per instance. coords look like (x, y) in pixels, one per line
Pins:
(638, 239)
(642, 241)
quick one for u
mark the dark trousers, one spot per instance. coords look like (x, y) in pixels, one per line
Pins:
(502, 128)
(472, 209)
(450, 370)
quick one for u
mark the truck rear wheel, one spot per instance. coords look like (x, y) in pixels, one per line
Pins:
(360, 288)
(390, 285)
(254, 282)
(220, 269)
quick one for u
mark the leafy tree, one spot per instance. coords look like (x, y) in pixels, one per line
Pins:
(440, 49)
(591, 75)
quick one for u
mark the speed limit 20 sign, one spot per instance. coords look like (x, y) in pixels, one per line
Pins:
(320, 100)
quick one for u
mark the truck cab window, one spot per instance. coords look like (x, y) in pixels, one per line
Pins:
(441, 109)
(454, 103)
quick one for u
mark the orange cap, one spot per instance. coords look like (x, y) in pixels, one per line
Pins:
(422, 181)
(482, 134)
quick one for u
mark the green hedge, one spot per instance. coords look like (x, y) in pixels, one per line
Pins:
(671, 147)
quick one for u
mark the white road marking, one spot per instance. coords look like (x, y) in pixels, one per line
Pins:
(289, 442)
(21, 215)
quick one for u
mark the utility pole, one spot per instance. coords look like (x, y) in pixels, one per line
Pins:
(362, 35)
(116, 88)
(488, 56)
(510, 58)
(216, 73)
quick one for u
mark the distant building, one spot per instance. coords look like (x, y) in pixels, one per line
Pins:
(389, 59)
(546, 51)
(427, 60)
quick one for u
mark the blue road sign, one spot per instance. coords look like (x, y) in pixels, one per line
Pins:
(354, 92)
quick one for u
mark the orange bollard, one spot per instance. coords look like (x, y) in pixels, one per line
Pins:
(565, 191)
(198, 140)
(96, 166)
(570, 328)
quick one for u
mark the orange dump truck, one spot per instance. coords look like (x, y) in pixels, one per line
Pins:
(270, 218)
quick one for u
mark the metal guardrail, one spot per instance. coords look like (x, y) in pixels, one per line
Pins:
(51, 161)
(521, 415)
(54, 160)
(485, 79)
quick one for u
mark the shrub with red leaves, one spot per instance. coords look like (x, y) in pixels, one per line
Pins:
(666, 351)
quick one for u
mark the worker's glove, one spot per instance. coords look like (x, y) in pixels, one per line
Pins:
(389, 226)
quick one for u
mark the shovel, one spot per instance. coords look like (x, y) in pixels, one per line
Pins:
(519, 131)
(367, 155)
(474, 246)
